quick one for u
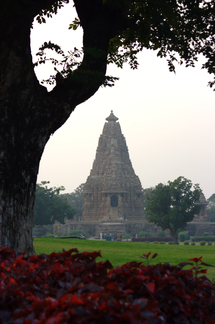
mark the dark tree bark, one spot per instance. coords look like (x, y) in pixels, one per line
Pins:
(174, 237)
(29, 114)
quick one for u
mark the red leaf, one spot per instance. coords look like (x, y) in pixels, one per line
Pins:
(154, 255)
(196, 259)
(203, 271)
(150, 286)
(207, 265)
(183, 264)
(74, 300)
(147, 255)
(12, 281)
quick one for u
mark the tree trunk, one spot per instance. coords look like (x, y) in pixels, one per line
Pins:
(174, 237)
(29, 114)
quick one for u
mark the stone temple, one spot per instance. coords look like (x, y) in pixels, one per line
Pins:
(112, 192)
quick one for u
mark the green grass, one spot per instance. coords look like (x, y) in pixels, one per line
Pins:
(119, 253)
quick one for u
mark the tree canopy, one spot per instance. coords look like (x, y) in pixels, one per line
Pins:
(50, 205)
(211, 207)
(171, 206)
(76, 199)
(113, 31)
(178, 30)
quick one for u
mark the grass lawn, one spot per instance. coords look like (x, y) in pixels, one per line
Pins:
(119, 253)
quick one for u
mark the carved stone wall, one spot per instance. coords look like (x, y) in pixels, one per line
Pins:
(112, 191)
(93, 229)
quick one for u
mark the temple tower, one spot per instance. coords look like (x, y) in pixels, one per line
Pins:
(112, 192)
(202, 215)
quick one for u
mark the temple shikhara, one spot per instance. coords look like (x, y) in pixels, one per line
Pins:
(113, 191)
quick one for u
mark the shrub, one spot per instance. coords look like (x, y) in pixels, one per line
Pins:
(209, 243)
(59, 233)
(192, 243)
(206, 234)
(49, 235)
(155, 242)
(182, 236)
(126, 236)
(151, 239)
(71, 287)
(145, 234)
(186, 242)
(162, 242)
(202, 243)
(76, 233)
(171, 242)
(40, 230)
(146, 242)
(161, 234)
(203, 238)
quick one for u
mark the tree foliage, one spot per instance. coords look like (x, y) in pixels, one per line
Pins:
(177, 30)
(73, 287)
(50, 205)
(211, 208)
(172, 205)
(76, 199)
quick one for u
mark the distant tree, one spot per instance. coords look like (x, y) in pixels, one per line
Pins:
(146, 192)
(50, 205)
(76, 199)
(172, 205)
(211, 208)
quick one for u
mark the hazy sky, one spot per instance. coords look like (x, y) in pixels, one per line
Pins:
(167, 119)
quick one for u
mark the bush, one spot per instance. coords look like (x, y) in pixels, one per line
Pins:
(209, 243)
(50, 228)
(59, 233)
(161, 234)
(76, 233)
(162, 242)
(182, 236)
(151, 239)
(146, 242)
(186, 242)
(145, 234)
(71, 287)
(171, 242)
(202, 243)
(155, 242)
(203, 238)
(40, 230)
(126, 236)
(62, 291)
(192, 243)
(49, 235)
(206, 234)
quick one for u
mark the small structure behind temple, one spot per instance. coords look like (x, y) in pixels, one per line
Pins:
(202, 215)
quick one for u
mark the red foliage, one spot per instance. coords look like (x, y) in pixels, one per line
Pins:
(71, 287)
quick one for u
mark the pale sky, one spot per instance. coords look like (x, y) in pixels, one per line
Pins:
(167, 119)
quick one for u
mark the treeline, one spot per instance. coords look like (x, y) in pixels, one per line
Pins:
(52, 204)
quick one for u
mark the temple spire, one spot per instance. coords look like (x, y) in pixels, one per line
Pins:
(113, 191)
(112, 117)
